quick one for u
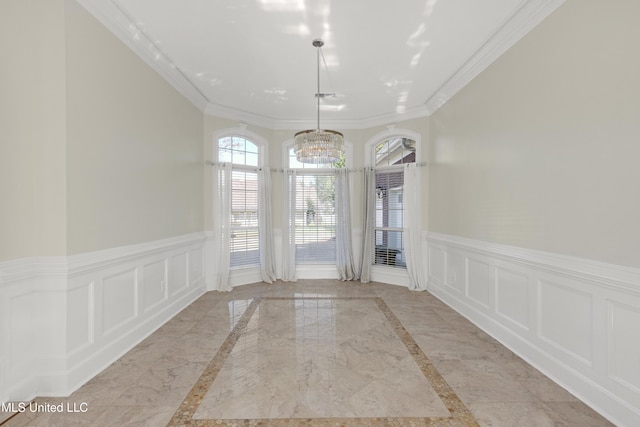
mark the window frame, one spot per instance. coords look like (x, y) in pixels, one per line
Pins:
(243, 132)
(315, 173)
(315, 170)
(391, 132)
(370, 162)
(262, 148)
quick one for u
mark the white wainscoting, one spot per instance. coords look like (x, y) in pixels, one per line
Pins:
(576, 320)
(64, 319)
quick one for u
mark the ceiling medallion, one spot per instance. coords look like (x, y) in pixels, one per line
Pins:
(319, 146)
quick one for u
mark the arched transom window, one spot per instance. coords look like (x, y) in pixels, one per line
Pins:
(244, 155)
(394, 151)
(237, 150)
(388, 156)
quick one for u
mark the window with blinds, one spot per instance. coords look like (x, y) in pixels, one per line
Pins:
(315, 211)
(389, 155)
(245, 244)
(388, 234)
(315, 219)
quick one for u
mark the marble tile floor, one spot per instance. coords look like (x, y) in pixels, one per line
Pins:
(317, 353)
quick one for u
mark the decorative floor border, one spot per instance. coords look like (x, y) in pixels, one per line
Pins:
(460, 414)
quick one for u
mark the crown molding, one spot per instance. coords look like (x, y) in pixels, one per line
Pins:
(364, 123)
(224, 112)
(112, 16)
(527, 17)
(234, 114)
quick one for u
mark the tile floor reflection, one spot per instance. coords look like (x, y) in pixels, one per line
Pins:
(320, 358)
(316, 353)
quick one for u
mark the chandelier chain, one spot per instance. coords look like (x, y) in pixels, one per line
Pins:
(319, 146)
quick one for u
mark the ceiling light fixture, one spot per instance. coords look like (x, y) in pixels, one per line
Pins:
(319, 146)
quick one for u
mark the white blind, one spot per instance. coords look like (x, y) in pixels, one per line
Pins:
(388, 235)
(315, 219)
(244, 219)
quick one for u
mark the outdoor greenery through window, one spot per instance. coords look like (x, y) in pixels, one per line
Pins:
(315, 218)
(244, 155)
(389, 155)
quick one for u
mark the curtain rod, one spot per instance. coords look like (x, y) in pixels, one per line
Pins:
(210, 163)
(326, 170)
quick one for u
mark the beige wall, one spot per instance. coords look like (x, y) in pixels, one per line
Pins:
(135, 158)
(97, 150)
(32, 130)
(541, 150)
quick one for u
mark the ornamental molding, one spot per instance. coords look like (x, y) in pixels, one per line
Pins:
(112, 16)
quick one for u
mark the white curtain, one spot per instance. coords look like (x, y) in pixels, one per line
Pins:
(413, 227)
(369, 209)
(344, 251)
(265, 227)
(222, 226)
(289, 226)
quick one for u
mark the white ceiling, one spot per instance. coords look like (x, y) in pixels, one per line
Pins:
(253, 60)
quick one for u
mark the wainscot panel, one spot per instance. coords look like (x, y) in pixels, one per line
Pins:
(574, 319)
(178, 274)
(479, 283)
(623, 350)
(119, 293)
(65, 319)
(155, 277)
(512, 297)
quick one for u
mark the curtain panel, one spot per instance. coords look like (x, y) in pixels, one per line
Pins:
(345, 264)
(289, 226)
(368, 222)
(413, 227)
(265, 227)
(222, 226)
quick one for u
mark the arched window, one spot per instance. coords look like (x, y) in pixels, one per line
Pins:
(238, 150)
(387, 153)
(395, 150)
(246, 155)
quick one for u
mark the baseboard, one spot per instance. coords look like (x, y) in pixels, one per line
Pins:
(64, 319)
(574, 319)
(390, 275)
(244, 276)
(320, 271)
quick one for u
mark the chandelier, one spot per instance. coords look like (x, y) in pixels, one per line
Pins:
(319, 146)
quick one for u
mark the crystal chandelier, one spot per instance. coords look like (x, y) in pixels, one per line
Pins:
(319, 146)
